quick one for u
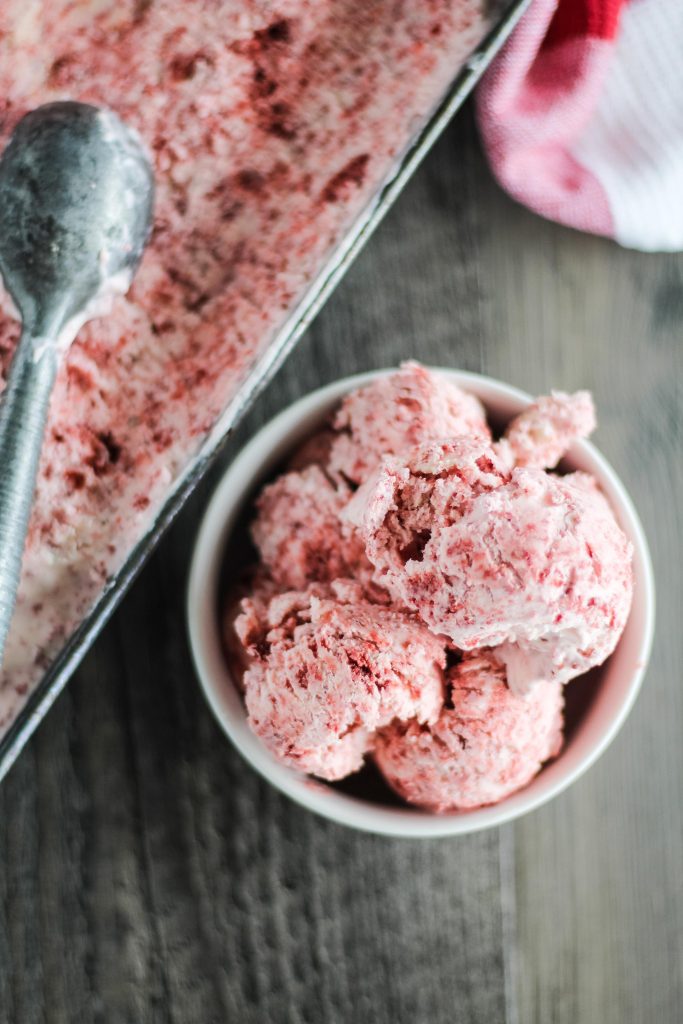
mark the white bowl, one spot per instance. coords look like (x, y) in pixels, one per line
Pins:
(613, 687)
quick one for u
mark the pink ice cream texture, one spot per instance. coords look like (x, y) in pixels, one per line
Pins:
(488, 743)
(529, 562)
(329, 669)
(397, 411)
(401, 530)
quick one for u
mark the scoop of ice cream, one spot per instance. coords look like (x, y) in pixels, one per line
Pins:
(579, 567)
(408, 500)
(545, 431)
(329, 669)
(528, 560)
(299, 535)
(395, 413)
(487, 744)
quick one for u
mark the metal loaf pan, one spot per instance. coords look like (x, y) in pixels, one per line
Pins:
(503, 16)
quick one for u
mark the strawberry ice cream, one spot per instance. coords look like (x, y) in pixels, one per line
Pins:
(523, 560)
(329, 669)
(373, 564)
(299, 534)
(544, 432)
(396, 412)
(271, 125)
(486, 744)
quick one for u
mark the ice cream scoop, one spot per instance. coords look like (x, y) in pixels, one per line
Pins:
(76, 198)
(487, 742)
(328, 668)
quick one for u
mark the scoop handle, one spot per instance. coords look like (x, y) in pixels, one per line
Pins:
(23, 412)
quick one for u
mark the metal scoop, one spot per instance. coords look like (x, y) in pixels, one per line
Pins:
(76, 197)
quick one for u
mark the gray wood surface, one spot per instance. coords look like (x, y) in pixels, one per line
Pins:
(147, 875)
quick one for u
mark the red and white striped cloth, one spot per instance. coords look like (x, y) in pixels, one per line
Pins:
(582, 117)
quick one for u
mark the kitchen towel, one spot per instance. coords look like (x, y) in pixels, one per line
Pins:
(581, 116)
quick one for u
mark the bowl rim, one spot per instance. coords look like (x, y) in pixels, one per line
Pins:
(251, 465)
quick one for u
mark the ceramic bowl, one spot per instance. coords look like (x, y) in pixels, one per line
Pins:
(597, 705)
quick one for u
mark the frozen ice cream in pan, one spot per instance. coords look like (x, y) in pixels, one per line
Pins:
(272, 128)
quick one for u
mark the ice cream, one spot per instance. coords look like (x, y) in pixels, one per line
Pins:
(299, 533)
(396, 412)
(486, 744)
(329, 669)
(374, 567)
(544, 432)
(529, 562)
(271, 125)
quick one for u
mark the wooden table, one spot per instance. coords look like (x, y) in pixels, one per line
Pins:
(147, 875)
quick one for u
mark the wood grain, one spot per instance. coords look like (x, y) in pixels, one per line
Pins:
(146, 874)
